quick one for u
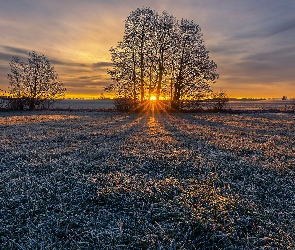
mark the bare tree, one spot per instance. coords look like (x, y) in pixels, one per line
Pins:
(34, 83)
(194, 71)
(161, 56)
(123, 73)
(131, 56)
(164, 44)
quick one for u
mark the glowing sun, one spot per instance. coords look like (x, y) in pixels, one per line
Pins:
(153, 98)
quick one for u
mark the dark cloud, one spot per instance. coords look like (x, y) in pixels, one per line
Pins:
(72, 71)
(283, 56)
(227, 48)
(23, 53)
(84, 77)
(6, 57)
(16, 51)
(9, 52)
(101, 65)
(86, 84)
(260, 68)
(265, 30)
(269, 67)
(272, 69)
(288, 25)
(92, 80)
(69, 64)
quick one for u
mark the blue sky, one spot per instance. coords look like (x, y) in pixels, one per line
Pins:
(252, 42)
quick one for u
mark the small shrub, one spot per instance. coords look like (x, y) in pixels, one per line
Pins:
(23, 103)
(16, 103)
(125, 104)
(219, 100)
(292, 105)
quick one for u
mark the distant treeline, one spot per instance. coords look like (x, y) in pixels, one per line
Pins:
(247, 99)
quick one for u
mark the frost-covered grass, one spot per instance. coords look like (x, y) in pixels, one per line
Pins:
(88, 180)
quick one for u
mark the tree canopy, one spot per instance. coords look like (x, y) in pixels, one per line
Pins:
(161, 56)
(34, 82)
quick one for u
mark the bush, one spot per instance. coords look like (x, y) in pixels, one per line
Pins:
(17, 103)
(292, 105)
(2, 103)
(185, 105)
(125, 104)
(219, 100)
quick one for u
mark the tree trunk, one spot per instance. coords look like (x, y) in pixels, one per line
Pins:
(161, 72)
(134, 78)
(150, 84)
(32, 104)
(159, 86)
(176, 96)
(142, 68)
(141, 85)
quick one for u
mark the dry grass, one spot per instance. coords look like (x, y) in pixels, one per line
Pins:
(87, 180)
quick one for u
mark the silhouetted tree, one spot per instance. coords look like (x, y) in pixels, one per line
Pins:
(34, 83)
(160, 55)
(131, 56)
(164, 46)
(194, 71)
(123, 73)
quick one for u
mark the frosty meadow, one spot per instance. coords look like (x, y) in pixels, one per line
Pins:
(95, 180)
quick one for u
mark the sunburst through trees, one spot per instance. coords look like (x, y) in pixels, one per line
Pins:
(161, 57)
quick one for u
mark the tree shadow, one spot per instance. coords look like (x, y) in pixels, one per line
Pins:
(140, 180)
(257, 172)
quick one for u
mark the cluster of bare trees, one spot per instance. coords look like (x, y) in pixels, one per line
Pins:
(161, 56)
(33, 83)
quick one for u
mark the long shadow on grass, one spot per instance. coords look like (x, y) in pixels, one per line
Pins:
(165, 193)
(146, 194)
(136, 182)
(46, 197)
(274, 145)
(178, 186)
(261, 191)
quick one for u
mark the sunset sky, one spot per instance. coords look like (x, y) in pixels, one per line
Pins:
(252, 42)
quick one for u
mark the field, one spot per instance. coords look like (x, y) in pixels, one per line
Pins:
(99, 180)
(233, 105)
(84, 104)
